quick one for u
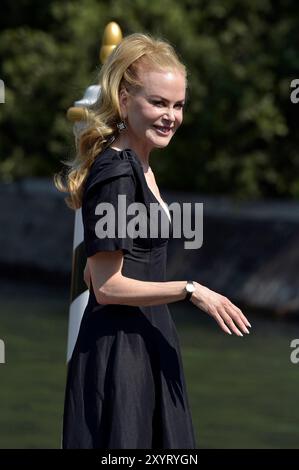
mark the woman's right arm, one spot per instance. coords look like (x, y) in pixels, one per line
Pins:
(111, 287)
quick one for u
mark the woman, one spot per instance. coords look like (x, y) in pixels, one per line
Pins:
(125, 386)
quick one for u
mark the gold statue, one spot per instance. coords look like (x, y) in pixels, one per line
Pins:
(111, 37)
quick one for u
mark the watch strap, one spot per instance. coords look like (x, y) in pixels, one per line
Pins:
(189, 294)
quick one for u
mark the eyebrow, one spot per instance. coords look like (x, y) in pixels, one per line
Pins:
(164, 99)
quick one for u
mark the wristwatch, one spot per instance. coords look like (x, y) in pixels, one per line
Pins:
(189, 288)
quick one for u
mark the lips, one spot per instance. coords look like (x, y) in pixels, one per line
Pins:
(163, 129)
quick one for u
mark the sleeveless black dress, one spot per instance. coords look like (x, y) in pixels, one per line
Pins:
(125, 384)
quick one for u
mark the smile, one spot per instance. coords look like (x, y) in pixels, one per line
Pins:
(162, 130)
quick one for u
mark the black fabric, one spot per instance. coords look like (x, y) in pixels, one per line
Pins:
(125, 384)
(108, 190)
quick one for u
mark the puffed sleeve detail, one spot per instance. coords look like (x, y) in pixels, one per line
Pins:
(104, 213)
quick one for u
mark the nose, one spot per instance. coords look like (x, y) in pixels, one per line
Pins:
(170, 115)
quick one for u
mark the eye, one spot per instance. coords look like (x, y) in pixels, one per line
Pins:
(161, 104)
(158, 103)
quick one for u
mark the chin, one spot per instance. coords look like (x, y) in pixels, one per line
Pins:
(161, 145)
(162, 142)
(157, 141)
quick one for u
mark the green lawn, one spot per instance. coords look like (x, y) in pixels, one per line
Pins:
(242, 391)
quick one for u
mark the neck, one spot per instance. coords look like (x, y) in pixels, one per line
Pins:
(122, 142)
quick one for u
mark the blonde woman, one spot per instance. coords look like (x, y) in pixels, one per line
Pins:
(125, 385)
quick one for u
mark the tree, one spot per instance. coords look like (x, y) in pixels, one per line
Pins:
(239, 133)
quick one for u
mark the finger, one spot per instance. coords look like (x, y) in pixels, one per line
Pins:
(236, 318)
(230, 323)
(241, 314)
(220, 322)
(243, 317)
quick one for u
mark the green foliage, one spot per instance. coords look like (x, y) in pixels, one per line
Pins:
(239, 134)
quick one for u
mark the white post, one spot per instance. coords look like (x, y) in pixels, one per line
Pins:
(79, 291)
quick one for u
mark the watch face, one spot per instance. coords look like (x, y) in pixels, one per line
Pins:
(190, 288)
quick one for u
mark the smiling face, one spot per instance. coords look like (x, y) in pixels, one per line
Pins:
(155, 112)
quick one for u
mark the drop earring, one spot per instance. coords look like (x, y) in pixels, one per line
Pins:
(121, 125)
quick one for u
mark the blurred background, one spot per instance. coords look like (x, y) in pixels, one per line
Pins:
(237, 152)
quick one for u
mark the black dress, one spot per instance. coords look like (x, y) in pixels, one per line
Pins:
(125, 384)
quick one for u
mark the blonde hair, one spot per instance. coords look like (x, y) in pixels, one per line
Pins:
(120, 70)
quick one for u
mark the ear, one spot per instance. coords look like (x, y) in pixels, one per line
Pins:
(123, 102)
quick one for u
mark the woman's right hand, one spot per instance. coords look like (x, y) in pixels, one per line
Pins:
(229, 317)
